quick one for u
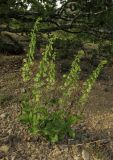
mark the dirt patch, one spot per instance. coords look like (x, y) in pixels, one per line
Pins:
(94, 134)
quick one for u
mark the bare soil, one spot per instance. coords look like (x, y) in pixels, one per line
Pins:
(94, 133)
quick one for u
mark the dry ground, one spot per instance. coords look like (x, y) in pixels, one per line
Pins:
(94, 139)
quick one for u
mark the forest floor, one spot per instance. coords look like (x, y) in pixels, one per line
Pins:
(94, 140)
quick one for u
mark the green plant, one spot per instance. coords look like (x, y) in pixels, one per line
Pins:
(42, 118)
(52, 121)
(28, 61)
(54, 126)
(45, 77)
(71, 80)
(88, 84)
(58, 125)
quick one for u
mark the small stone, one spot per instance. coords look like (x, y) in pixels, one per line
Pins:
(10, 131)
(3, 115)
(85, 155)
(13, 157)
(23, 90)
(77, 158)
(4, 148)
